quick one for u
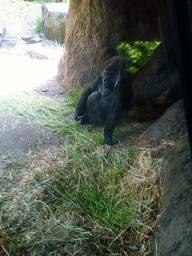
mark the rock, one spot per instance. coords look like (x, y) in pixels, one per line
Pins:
(174, 229)
(2, 32)
(37, 55)
(28, 36)
(31, 38)
(8, 41)
(34, 40)
(170, 124)
(54, 17)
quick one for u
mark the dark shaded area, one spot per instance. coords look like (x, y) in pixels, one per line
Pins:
(182, 21)
(175, 225)
(114, 91)
(158, 82)
(167, 126)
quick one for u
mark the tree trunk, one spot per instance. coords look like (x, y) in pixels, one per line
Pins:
(159, 77)
(95, 27)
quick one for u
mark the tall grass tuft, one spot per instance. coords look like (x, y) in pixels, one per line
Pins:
(81, 198)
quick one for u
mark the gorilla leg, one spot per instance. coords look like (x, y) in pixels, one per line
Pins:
(113, 117)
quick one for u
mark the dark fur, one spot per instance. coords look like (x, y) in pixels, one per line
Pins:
(103, 102)
(114, 92)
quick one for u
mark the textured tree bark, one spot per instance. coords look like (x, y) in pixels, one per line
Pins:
(95, 27)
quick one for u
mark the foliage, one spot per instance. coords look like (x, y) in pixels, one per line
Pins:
(38, 25)
(47, 1)
(81, 198)
(137, 53)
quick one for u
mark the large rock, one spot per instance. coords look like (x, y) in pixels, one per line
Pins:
(174, 234)
(171, 124)
(54, 17)
(174, 227)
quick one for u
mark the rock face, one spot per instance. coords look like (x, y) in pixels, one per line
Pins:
(174, 235)
(171, 124)
(54, 17)
(174, 227)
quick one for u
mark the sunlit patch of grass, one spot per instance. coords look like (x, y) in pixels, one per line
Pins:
(25, 105)
(42, 111)
(82, 198)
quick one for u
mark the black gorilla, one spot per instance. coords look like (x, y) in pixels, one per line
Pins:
(115, 91)
(104, 101)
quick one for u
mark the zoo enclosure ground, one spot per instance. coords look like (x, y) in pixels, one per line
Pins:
(27, 71)
(74, 197)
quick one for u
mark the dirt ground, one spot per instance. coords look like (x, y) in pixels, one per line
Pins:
(29, 69)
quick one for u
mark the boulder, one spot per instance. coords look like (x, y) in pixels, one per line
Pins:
(174, 226)
(31, 39)
(174, 229)
(170, 124)
(54, 17)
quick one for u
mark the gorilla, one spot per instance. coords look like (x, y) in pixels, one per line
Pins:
(115, 91)
(104, 101)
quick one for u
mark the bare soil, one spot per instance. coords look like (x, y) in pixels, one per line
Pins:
(26, 68)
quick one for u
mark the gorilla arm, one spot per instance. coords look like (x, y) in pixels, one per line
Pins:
(113, 117)
(81, 108)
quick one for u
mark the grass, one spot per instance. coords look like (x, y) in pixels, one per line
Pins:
(41, 1)
(81, 198)
(38, 25)
(42, 111)
(47, 1)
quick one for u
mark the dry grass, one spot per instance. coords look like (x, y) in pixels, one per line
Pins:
(79, 199)
(82, 198)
